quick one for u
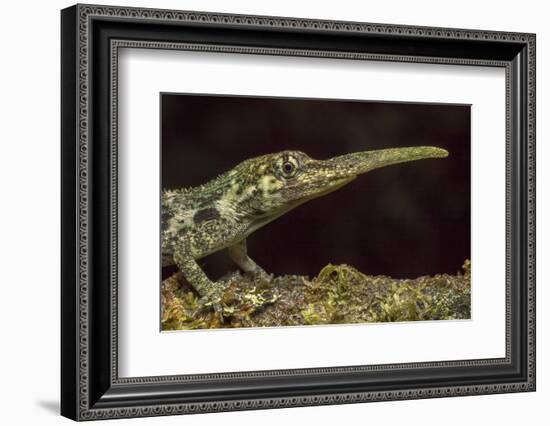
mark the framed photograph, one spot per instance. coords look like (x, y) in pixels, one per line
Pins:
(263, 212)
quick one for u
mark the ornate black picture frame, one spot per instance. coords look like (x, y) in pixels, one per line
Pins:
(91, 38)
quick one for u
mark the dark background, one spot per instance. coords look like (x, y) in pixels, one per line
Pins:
(405, 220)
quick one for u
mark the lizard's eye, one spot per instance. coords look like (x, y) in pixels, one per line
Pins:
(289, 167)
(286, 166)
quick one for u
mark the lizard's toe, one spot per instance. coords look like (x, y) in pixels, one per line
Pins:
(259, 275)
(213, 299)
(206, 304)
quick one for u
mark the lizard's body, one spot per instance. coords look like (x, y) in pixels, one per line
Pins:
(222, 213)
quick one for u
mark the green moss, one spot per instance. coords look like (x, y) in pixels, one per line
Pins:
(339, 294)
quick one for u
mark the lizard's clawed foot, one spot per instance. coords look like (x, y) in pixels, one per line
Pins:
(213, 299)
(260, 276)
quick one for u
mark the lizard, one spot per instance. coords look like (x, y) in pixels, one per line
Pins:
(224, 212)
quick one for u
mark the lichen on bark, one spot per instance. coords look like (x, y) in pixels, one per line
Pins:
(339, 294)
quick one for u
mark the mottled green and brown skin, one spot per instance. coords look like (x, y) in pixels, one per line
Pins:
(225, 211)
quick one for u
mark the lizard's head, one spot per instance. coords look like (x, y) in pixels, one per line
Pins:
(272, 184)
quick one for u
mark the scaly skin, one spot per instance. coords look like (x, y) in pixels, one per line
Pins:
(225, 211)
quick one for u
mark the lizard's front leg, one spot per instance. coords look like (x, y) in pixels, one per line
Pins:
(210, 292)
(238, 254)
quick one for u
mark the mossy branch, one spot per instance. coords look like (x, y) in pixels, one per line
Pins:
(339, 294)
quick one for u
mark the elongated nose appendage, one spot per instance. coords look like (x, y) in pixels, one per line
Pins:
(358, 163)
